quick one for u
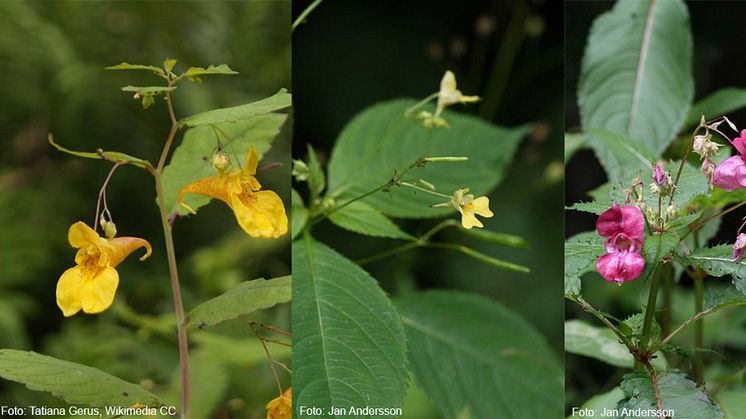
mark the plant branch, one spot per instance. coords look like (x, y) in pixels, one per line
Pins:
(686, 323)
(650, 308)
(656, 389)
(101, 192)
(586, 306)
(305, 14)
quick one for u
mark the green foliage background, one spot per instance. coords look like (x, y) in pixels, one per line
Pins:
(52, 57)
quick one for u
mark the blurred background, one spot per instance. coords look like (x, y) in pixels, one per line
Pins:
(52, 59)
(717, 49)
(350, 55)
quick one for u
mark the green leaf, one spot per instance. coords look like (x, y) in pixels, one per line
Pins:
(348, 341)
(127, 66)
(677, 393)
(601, 402)
(722, 102)
(169, 64)
(659, 246)
(276, 102)
(193, 73)
(101, 155)
(316, 177)
(470, 354)
(581, 253)
(636, 76)
(74, 383)
(573, 143)
(733, 403)
(381, 142)
(620, 156)
(361, 218)
(596, 342)
(718, 261)
(242, 300)
(720, 297)
(298, 214)
(592, 207)
(191, 160)
(149, 90)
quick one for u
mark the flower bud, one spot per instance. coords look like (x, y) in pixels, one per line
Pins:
(708, 167)
(738, 247)
(662, 183)
(301, 172)
(110, 229)
(221, 161)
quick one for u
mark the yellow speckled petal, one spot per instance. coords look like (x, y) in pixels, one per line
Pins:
(68, 290)
(481, 206)
(80, 235)
(252, 161)
(218, 187)
(97, 294)
(121, 247)
(469, 220)
(261, 215)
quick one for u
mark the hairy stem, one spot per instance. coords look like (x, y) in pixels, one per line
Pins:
(682, 326)
(650, 308)
(656, 389)
(599, 315)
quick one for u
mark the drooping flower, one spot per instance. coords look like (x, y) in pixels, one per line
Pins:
(731, 173)
(281, 407)
(626, 219)
(260, 213)
(91, 284)
(624, 226)
(738, 247)
(468, 206)
(450, 95)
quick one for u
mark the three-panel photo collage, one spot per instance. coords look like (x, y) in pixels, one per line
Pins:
(472, 209)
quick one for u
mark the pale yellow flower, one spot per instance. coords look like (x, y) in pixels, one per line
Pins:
(450, 95)
(281, 407)
(259, 213)
(468, 206)
(92, 283)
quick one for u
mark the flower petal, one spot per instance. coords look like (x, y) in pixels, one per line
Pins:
(97, 294)
(260, 214)
(469, 220)
(481, 206)
(627, 219)
(121, 247)
(448, 82)
(740, 143)
(620, 266)
(68, 290)
(730, 174)
(80, 235)
(252, 161)
(219, 187)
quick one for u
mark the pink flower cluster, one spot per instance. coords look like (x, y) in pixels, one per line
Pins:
(731, 173)
(624, 226)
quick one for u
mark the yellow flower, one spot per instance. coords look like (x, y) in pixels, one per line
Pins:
(259, 213)
(281, 407)
(91, 284)
(467, 205)
(450, 95)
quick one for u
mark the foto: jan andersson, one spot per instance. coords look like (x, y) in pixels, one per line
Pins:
(365, 411)
(638, 413)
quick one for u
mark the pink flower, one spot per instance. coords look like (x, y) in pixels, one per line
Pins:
(731, 173)
(660, 177)
(624, 228)
(627, 219)
(738, 247)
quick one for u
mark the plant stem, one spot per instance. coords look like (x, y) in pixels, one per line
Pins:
(176, 288)
(699, 329)
(681, 327)
(650, 308)
(420, 241)
(593, 310)
(656, 389)
(305, 14)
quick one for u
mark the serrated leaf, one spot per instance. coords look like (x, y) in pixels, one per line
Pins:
(109, 155)
(316, 176)
(591, 207)
(361, 218)
(74, 383)
(677, 393)
(191, 160)
(573, 143)
(659, 246)
(722, 102)
(720, 297)
(718, 261)
(276, 102)
(148, 90)
(348, 341)
(298, 214)
(581, 253)
(464, 363)
(246, 298)
(596, 342)
(636, 73)
(192, 72)
(128, 66)
(380, 142)
(621, 156)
